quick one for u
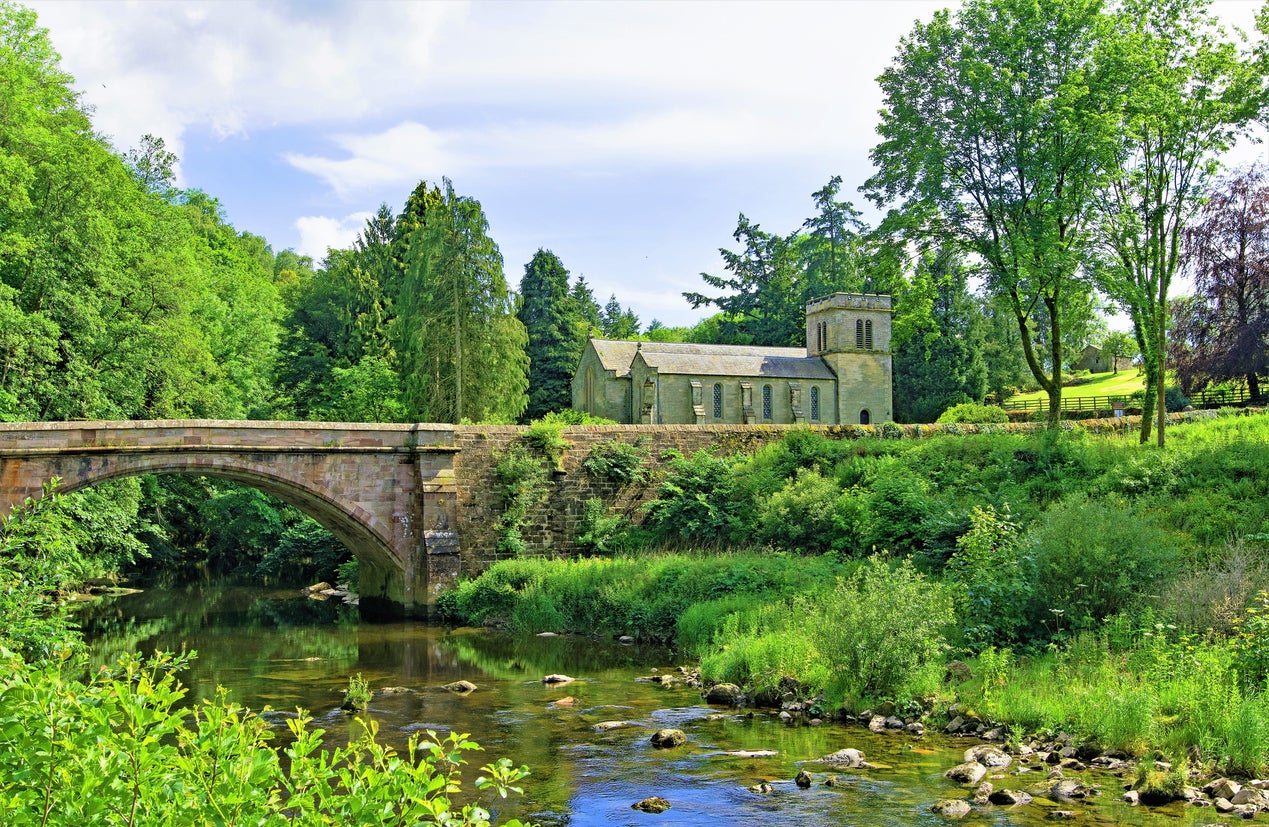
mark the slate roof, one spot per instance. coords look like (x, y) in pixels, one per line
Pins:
(712, 360)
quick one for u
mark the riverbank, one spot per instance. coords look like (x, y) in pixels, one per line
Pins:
(1085, 584)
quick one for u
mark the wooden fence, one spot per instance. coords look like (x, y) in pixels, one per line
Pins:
(1203, 399)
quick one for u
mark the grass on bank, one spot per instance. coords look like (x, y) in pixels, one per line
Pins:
(1096, 586)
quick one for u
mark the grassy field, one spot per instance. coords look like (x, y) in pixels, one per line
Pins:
(1102, 384)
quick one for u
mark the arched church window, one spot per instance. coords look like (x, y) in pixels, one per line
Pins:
(864, 417)
(859, 333)
(868, 335)
(766, 401)
(718, 400)
(815, 404)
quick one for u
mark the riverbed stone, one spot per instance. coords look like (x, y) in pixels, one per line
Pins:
(558, 679)
(952, 808)
(1132, 798)
(668, 738)
(971, 772)
(844, 758)
(1223, 788)
(652, 804)
(989, 756)
(460, 687)
(1250, 795)
(802, 779)
(725, 694)
(1010, 798)
(762, 788)
(605, 726)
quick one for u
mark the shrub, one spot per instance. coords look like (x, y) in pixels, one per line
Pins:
(974, 412)
(803, 517)
(546, 435)
(879, 628)
(1093, 559)
(699, 501)
(599, 531)
(115, 749)
(994, 581)
(898, 506)
(618, 462)
(522, 487)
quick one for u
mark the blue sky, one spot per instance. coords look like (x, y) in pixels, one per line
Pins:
(625, 137)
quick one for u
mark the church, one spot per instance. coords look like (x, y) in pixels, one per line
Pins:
(843, 376)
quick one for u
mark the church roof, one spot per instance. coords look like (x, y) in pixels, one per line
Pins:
(712, 360)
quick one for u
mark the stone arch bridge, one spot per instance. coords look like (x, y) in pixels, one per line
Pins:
(388, 492)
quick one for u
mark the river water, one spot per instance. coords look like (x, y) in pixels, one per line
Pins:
(278, 650)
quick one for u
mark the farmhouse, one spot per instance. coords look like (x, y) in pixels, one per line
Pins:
(842, 376)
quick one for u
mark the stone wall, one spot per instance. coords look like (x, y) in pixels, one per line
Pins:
(552, 529)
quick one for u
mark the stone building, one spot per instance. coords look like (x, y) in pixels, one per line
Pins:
(843, 376)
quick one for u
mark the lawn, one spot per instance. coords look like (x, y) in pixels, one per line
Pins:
(1101, 384)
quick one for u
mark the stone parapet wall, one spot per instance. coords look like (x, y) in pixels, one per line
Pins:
(551, 530)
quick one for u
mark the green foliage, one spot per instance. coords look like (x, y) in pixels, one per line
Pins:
(557, 328)
(358, 695)
(700, 501)
(601, 532)
(32, 551)
(618, 462)
(974, 412)
(994, 581)
(117, 749)
(461, 350)
(809, 516)
(522, 486)
(1094, 559)
(1251, 644)
(547, 437)
(899, 504)
(880, 627)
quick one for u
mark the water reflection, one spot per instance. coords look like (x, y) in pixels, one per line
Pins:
(283, 651)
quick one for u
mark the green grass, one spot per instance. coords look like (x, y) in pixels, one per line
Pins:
(1102, 384)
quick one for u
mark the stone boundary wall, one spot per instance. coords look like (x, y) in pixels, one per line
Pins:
(552, 528)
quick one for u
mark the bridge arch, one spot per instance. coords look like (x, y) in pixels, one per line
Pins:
(387, 491)
(356, 531)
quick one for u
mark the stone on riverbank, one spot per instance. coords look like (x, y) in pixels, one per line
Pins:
(725, 694)
(971, 772)
(989, 756)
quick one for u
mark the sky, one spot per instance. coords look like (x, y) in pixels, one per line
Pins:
(626, 137)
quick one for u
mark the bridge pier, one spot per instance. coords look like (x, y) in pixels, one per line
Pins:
(388, 492)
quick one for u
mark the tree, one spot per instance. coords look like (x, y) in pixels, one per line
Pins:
(460, 348)
(618, 322)
(995, 130)
(1118, 344)
(556, 327)
(1186, 97)
(152, 164)
(942, 365)
(763, 303)
(588, 311)
(833, 247)
(1223, 332)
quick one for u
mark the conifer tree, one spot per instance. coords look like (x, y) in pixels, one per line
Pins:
(557, 333)
(460, 348)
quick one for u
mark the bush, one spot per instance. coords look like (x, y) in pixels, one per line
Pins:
(618, 462)
(879, 628)
(974, 412)
(898, 505)
(115, 749)
(700, 501)
(601, 532)
(522, 487)
(804, 517)
(1094, 559)
(994, 581)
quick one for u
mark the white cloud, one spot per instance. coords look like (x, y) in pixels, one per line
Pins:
(320, 233)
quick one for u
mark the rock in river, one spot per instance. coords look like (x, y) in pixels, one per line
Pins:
(666, 738)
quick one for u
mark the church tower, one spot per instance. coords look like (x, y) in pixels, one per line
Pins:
(851, 333)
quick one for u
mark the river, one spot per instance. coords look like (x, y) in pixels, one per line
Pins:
(278, 650)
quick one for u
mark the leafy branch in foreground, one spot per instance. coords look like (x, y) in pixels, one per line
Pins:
(115, 749)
